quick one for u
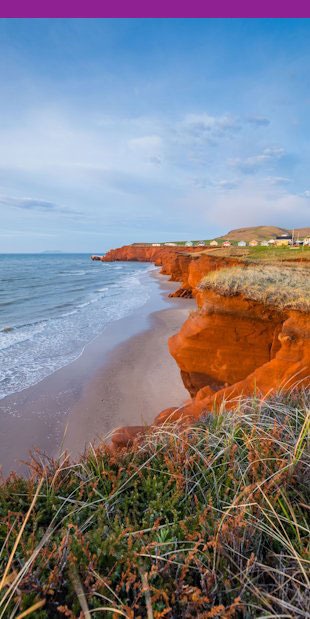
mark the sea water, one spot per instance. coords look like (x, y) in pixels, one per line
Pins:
(52, 305)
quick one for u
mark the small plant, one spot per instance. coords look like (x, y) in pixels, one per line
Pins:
(212, 520)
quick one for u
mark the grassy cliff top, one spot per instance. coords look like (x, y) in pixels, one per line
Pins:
(256, 254)
(211, 521)
(283, 287)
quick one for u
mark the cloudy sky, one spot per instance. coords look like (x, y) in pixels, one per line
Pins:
(116, 131)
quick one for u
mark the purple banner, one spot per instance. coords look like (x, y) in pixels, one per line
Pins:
(160, 8)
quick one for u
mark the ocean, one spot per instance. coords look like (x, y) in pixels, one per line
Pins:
(52, 305)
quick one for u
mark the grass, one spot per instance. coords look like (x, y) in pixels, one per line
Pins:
(285, 287)
(279, 253)
(208, 521)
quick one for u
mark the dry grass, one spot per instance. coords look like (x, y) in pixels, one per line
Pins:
(285, 288)
(207, 521)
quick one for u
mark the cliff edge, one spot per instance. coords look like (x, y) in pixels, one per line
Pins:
(238, 342)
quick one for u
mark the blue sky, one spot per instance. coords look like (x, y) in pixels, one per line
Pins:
(116, 131)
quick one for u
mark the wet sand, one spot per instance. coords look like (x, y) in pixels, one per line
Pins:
(125, 376)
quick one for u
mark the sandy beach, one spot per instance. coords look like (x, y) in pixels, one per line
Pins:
(125, 376)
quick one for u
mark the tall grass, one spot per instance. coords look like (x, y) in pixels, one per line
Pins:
(207, 521)
(285, 287)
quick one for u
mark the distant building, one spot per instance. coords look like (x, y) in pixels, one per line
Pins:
(271, 242)
(155, 244)
(307, 241)
(213, 244)
(283, 240)
(227, 244)
(242, 244)
(189, 244)
(264, 243)
(253, 243)
(201, 244)
(170, 244)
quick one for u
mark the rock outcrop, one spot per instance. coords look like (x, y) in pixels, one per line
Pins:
(231, 347)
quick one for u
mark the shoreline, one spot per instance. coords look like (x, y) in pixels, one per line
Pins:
(94, 394)
(138, 379)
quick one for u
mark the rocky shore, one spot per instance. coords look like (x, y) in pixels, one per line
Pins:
(231, 346)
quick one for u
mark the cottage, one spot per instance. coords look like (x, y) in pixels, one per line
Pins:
(271, 242)
(155, 244)
(201, 244)
(253, 243)
(189, 244)
(213, 244)
(264, 243)
(227, 244)
(283, 240)
(170, 244)
(242, 244)
(306, 241)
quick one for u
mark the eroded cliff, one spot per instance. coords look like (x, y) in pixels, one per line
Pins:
(182, 264)
(231, 347)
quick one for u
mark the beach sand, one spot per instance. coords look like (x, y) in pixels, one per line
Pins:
(139, 380)
(125, 376)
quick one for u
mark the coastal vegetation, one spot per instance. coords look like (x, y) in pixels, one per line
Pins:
(278, 254)
(285, 287)
(211, 520)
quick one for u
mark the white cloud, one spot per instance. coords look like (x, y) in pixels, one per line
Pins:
(254, 203)
(255, 162)
(205, 122)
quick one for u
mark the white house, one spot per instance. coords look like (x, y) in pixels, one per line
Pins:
(213, 244)
(155, 244)
(307, 241)
(170, 244)
(264, 243)
(272, 242)
(189, 244)
(242, 244)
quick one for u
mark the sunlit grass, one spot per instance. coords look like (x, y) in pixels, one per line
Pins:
(283, 287)
(211, 520)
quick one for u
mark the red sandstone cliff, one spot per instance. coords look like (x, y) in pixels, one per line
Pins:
(234, 347)
(183, 264)
(231, 347)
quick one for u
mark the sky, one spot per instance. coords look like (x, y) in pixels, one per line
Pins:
(122, 131)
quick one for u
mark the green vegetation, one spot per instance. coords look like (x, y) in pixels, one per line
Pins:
(279, 253)
(283, 287)
(208, 521)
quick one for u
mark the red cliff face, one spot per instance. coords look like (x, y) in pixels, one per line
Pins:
(174, 261)
(224, 342)
(234, 348)
(231, 347)
(183, 264)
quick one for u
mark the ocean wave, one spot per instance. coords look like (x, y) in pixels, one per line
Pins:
(74, 273)
(35, 349)
(19, 335)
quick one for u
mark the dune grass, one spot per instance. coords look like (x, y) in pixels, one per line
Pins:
(208, 521)
(283, 287)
